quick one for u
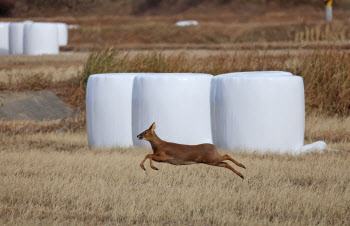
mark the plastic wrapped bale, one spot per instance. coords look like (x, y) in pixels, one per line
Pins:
(40, 38)
(258, 73)
(4, 38)
(62, 34)
(179, 103)
(258, 111)
(16, 38)
(184, 23)
(108, 110)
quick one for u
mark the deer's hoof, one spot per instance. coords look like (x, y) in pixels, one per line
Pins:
(242, 177)
(243, 166)
(155, 168)
(143, 167)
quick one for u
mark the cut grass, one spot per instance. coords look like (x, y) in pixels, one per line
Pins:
(53, 178)
(333, 129)
(209, 33)
(71, 125)
(14, 68)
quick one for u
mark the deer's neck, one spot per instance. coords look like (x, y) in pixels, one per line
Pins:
(155, 143)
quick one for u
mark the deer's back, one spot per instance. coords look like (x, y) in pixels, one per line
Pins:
(186, 154)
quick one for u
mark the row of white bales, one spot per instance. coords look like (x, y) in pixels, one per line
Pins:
(253, 111)
(32, 38)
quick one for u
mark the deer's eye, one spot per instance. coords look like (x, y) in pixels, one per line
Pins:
(145, 133)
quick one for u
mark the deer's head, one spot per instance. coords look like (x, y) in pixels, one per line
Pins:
(148, 134)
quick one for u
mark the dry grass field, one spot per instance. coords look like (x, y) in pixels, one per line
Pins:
(224, 34)
(53, 178)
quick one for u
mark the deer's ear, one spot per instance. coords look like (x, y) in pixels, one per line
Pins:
(153, 126)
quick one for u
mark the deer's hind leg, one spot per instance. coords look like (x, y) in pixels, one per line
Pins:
(227, 157)
(226, 165)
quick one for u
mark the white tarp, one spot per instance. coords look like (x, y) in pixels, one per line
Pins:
(258, 111)
(4, 38)
(16, 38)
(318, 146)
(179, 103)
(62, 34)
(40, 38)
(184, 23)
(108, 109)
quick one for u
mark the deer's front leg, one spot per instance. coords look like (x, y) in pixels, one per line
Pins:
(150, 156)
(144, 160)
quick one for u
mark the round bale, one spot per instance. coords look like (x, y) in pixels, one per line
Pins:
(108, 110)
(16, 38)
(40, 38)
(179, 103)
(258, 111)
(4, 38)
(62, 34)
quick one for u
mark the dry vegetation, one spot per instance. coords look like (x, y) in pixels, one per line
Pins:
(65, 66)
(149, 33)
(325, 72)
(50, 178)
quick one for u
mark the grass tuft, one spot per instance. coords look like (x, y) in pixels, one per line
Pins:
(99, 62)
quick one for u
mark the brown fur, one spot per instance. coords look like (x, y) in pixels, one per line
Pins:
(180, 154)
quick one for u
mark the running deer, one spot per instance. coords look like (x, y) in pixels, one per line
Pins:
(180, 154)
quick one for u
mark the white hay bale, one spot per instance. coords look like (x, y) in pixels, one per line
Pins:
(184, 23)
(4, 38)
(40, 38)
(108, 109)
(16, 38)
(62, 34)
(262, 111)
(179, 103)
(73, 26)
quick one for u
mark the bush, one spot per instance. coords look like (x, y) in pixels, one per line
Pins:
(99, 62)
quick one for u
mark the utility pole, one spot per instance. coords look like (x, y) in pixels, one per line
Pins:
(328, 10)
